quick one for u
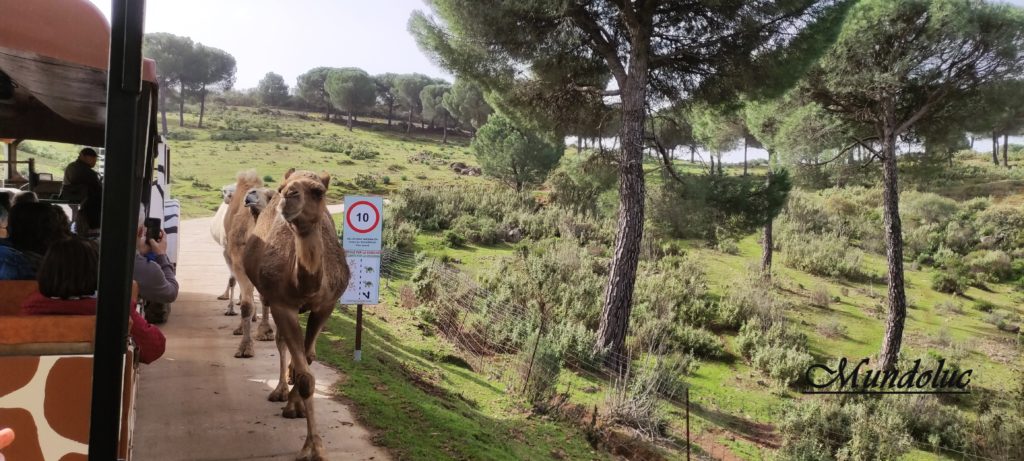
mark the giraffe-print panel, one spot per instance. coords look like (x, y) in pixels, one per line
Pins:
(45, 399)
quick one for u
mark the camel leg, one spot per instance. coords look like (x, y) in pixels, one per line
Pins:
(264, 332)
(280, 393)
(315, 323)
(248, 308)
(305, 384)
(228, 290)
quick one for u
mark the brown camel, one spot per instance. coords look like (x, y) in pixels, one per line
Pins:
(238, 224)
(295, 260)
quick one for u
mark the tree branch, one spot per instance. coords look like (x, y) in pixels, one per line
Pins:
(605, 48)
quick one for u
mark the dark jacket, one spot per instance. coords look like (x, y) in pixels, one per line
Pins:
(79, 179)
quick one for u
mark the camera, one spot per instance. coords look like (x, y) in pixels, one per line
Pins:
(153, 229)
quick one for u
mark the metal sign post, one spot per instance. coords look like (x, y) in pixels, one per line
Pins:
(361, 238)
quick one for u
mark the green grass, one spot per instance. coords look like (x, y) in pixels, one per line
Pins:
(201, 165)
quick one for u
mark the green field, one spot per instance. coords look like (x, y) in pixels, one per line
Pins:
(426, 399)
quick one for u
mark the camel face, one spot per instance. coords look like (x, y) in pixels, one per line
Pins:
(302, 196)
(227, 192)
(257, 199)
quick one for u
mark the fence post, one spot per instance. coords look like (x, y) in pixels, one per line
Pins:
(687, 423)
(536, 344)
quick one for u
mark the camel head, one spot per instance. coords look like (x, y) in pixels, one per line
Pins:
(302, 196)
(227, 192)
(257, 199)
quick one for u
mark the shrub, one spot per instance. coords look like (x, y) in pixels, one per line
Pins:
(233, 136)
(362, 153)
(832, 329)
(268, 179)
(728, 246)
(453, 238)
(481, 230)
(820, 297)
(326, 144)
(538, 373)
(674, 288)
(751, 297)
(635, 399)
(983, 306)
(952, 280)
(180, 135)
(783, 364)
(949, 307)
(989, 265)
(365, 181)
(578, 185)
(698, 342)
(827, 255)
(401, 235)
(385, 180)
(834, 428)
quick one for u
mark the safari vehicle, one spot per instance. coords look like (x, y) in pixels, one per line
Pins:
(67, 383)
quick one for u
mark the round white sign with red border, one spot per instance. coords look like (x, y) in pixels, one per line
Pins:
(362, 217)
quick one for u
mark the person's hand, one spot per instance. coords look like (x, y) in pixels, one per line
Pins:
(159, 247)
(140, 241)
(6, 438)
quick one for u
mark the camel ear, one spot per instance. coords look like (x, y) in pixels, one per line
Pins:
(288, 173)
(325, 178)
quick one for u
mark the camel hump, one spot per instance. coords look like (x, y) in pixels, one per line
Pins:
(248, 178)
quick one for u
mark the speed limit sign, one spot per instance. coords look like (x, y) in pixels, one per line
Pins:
(361, 239)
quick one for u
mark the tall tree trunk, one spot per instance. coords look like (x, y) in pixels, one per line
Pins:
(995, 148)
(391, 108)
(766, 244)
(894, 252)
(202, 104)
(720, 172)
(408, 126)
(163, 112)
(692, 152)
(350, 120)
(327, 113)
(181, 106)
(744, 156)
(1006, 148)
(618, 293)
(444, 140)
(711, 158)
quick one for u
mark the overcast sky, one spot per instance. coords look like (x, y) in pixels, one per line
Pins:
(290, 37)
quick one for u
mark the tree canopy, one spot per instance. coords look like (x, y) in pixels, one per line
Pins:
(311, 88)
(351, 90)
(466, 103)
(272, 90)
(513, 156)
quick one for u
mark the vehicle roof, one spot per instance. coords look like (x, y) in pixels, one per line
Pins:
(56, 53)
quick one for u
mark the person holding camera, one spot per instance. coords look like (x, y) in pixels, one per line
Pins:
(154, 271)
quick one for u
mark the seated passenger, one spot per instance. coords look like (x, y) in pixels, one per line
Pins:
(67, 286)
(32, 227)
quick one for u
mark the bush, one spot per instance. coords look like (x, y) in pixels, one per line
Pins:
(827, 255)
(635, 399)
(482, 230)
(783, 364)
(180, 135)
(832, 329)
(820, 297)
(365, 181)
(385, 180)
(268, 179)
(949, 307)
(401, 235)
(838, 428)
(989, 265)
(952, 281)
(698, 342)
(326, 144)
(233, 136)
(362, 153)
(984, 306)
(453, 238)
(538, 373)
(751, 297)
(728, 246)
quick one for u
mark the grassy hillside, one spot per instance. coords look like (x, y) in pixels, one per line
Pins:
(427, 396)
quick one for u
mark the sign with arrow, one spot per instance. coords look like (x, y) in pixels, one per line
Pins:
(361, 237)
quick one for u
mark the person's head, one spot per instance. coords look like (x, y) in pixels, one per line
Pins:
(25, 197)
(69, 269)
(33, 226)
(6, 199)
(89, 156)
